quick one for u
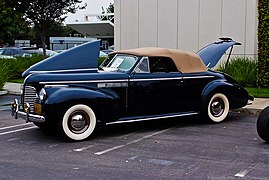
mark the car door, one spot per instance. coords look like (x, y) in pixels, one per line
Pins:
(154, 87)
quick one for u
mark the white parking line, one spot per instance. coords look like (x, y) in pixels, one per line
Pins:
(241, 173)
(9, 127)
(83, 148)
(246, 171)
(18, 130)
(131, 142)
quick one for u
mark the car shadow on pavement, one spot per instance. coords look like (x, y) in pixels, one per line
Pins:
(117, 130)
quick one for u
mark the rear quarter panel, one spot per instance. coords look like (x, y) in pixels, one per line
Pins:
(237, 95)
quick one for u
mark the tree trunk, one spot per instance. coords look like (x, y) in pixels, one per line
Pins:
(43, 41)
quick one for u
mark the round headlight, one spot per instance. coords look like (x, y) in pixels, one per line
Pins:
(42, 94)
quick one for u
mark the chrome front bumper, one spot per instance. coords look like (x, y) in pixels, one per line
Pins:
(16, 113)
(250, 100)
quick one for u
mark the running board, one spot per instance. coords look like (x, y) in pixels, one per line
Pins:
(147, 118)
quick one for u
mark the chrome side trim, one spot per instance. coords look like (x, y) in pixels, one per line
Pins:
(67, 70)
(49, 86)
(90, 81)
(175, 78)
(152, 118)
(197, 77)
(103, 85)
(123, 80)
(156, 79)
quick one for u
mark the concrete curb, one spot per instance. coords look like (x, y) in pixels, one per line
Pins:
(14, 93)
(250, 111)
(2, 93)
(11, 89)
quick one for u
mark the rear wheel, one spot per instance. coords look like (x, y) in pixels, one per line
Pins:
(263, 124)
(78, 122)
(217, 108)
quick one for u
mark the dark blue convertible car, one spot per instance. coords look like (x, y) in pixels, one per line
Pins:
(69, 91)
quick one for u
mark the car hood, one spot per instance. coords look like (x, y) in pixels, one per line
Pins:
(84, 56)
(212, 53)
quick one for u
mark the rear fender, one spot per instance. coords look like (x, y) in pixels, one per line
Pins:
(237, 95)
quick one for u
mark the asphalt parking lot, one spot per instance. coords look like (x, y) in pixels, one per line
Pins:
(176, 148)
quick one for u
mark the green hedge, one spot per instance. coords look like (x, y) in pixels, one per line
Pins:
(243, 70)
(5, 72)
(263, 38)
(13, 68)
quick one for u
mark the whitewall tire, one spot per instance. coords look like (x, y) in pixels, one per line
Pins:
(78, 122)
(218, 107)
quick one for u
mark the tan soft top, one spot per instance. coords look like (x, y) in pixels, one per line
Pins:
(186, 62)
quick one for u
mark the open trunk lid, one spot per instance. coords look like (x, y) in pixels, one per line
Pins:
(212, 53)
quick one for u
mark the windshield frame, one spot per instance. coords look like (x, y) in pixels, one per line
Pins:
(110, 59)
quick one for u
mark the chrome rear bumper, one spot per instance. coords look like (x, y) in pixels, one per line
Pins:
(16, 113)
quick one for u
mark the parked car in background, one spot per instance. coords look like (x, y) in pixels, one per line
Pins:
(263, 124)
(15, 51)
(107, 51)
(25, 51)
(69, 91)
(5, 56)
(40, 51)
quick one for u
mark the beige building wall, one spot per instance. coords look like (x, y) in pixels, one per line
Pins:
(185, 24)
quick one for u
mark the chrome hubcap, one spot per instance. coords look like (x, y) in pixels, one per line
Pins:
(217, 107)
(78, 122)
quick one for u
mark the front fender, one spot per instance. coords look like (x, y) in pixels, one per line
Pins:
(236, 94)
(104, 105)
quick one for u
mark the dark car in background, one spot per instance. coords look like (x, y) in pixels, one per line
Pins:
(24, 51)
(69, 91)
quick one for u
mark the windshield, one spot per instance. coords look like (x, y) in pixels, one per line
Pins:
(118, 63)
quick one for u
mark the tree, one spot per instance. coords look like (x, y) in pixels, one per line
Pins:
(43, 13)
(109, 9)
(263, 38)
(12, 24)
(56, 30)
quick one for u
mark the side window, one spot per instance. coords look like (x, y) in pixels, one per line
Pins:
(162, 64)
(143, 67)
(8, 52)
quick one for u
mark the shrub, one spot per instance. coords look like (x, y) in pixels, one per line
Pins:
(243, 70)
(5, 72)
(13, 68)
(20, 64)
(263, 44)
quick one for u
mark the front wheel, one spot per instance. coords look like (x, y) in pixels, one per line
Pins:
(217, 108)
(78, 122)
(263, 124)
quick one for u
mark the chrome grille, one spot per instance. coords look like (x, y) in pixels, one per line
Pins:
(30, 96)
